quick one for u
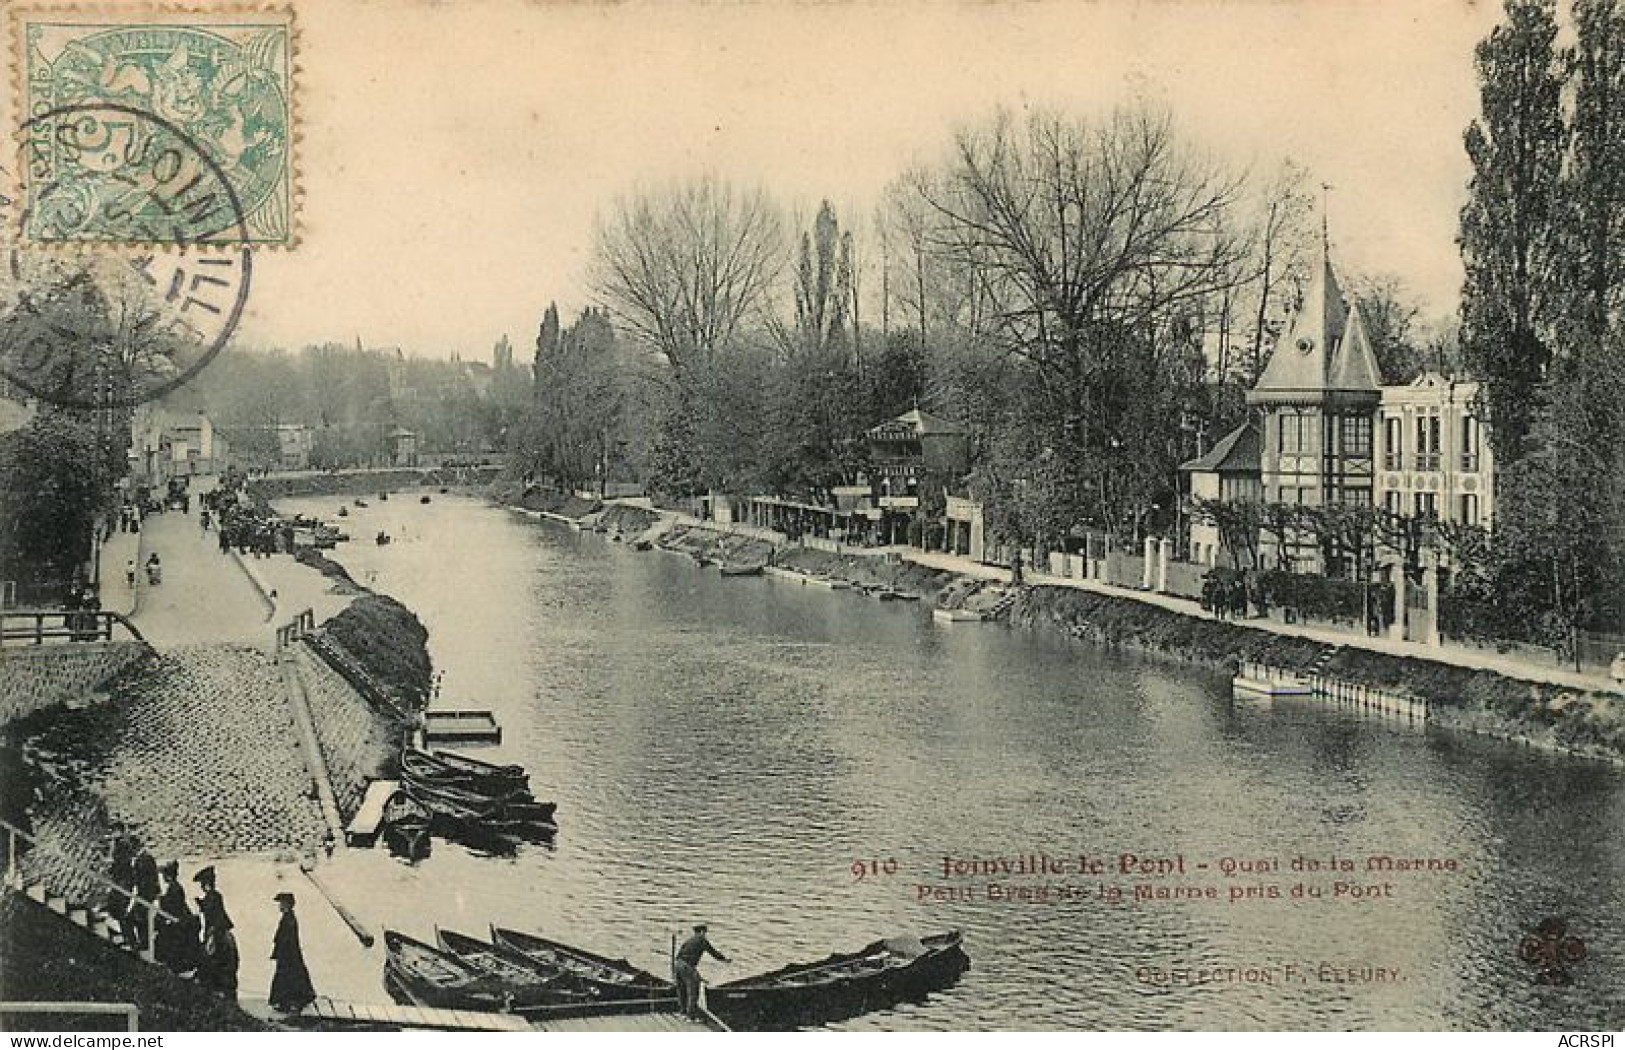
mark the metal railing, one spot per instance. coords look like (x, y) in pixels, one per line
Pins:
(1425, 461)
(39, 626)
(15, 836)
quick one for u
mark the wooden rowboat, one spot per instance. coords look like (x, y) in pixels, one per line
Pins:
(453, 802)
(482, 770)
(741, 570)
(602, 976)
(431, 977)
(404, 813)
(879, 976)
(528, 984)
(443, 770)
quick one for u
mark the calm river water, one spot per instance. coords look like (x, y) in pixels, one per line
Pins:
(726, 749)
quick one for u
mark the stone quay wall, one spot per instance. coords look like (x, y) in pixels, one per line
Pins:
(358, 742)
(38, 676)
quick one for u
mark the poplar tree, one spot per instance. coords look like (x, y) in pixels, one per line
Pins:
(1509, 227)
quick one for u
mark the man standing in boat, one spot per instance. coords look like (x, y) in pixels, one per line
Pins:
(685, 968)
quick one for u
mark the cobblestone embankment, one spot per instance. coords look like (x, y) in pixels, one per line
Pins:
(1585, 723)
(194, 752)
(728, 548)
(358, 743)
(874, 571)
(39, 676)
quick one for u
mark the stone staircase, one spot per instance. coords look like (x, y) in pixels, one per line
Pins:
(1327, 655)
(1002, 606)
(86, 916)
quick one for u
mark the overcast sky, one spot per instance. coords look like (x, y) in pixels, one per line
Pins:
(453, 156)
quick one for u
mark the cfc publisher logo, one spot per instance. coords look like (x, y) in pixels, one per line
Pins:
(1551, 951)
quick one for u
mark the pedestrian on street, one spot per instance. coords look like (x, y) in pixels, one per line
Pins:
(685, 969)
(291, 990)
(129, 573)
(217, 969)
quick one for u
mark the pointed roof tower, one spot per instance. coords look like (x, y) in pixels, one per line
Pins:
(1323, 353)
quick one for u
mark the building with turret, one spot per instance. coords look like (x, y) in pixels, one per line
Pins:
(1327, 431)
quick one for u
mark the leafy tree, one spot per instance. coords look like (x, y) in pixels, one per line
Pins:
(57, 476)
(1509, 231)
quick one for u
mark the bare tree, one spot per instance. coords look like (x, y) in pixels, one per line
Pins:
(1091, 249)
(682, 267)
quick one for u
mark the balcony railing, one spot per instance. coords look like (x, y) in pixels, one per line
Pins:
(1469, 461)
(1425, 461)
(1393, 461)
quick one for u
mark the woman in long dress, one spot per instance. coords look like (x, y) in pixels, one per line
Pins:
(291, 990)
(176, 941)
(217, 970)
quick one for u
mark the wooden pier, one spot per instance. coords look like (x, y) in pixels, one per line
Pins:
(331, 1013)
(363, 827)
(461, 727)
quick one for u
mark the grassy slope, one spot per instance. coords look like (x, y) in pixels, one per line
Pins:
(45, 957)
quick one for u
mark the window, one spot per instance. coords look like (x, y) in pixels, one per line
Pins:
(1469, 509)
(1393, 501)
(1427, 504)
(1393, 442)
(1356, 435)
(1356, 497)
(1291, 432)
(1298, 435)
(1469, 443)
(1427, 442)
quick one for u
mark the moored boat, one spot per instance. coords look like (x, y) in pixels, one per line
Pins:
(482, 770)
(885, 973)
(431, 977)
(430, 771)
(529, 984)
(446, 800)
(741, 570)
(604, 977)
(405, 813)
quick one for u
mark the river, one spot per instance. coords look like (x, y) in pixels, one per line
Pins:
(727, 749)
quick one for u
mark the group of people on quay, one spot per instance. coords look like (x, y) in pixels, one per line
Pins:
(1229, 595)
(240, 527)
(198, 945)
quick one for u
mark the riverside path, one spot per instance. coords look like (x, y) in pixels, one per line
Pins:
(205, 596)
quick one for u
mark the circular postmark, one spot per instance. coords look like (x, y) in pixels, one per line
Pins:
(147, 306)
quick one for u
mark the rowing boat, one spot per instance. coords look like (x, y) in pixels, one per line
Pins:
(605, 977)
(436, 771)
(431, 977)
(876, 977)
(528, 984)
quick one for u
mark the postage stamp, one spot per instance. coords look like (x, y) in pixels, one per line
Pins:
(206, 91)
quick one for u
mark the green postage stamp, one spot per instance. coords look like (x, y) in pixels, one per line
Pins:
(157, 126)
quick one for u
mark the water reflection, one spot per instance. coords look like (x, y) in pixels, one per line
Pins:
(724, 749)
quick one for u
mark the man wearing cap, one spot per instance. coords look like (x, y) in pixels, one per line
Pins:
(291, 990)
(218, 969)
(686, 969)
